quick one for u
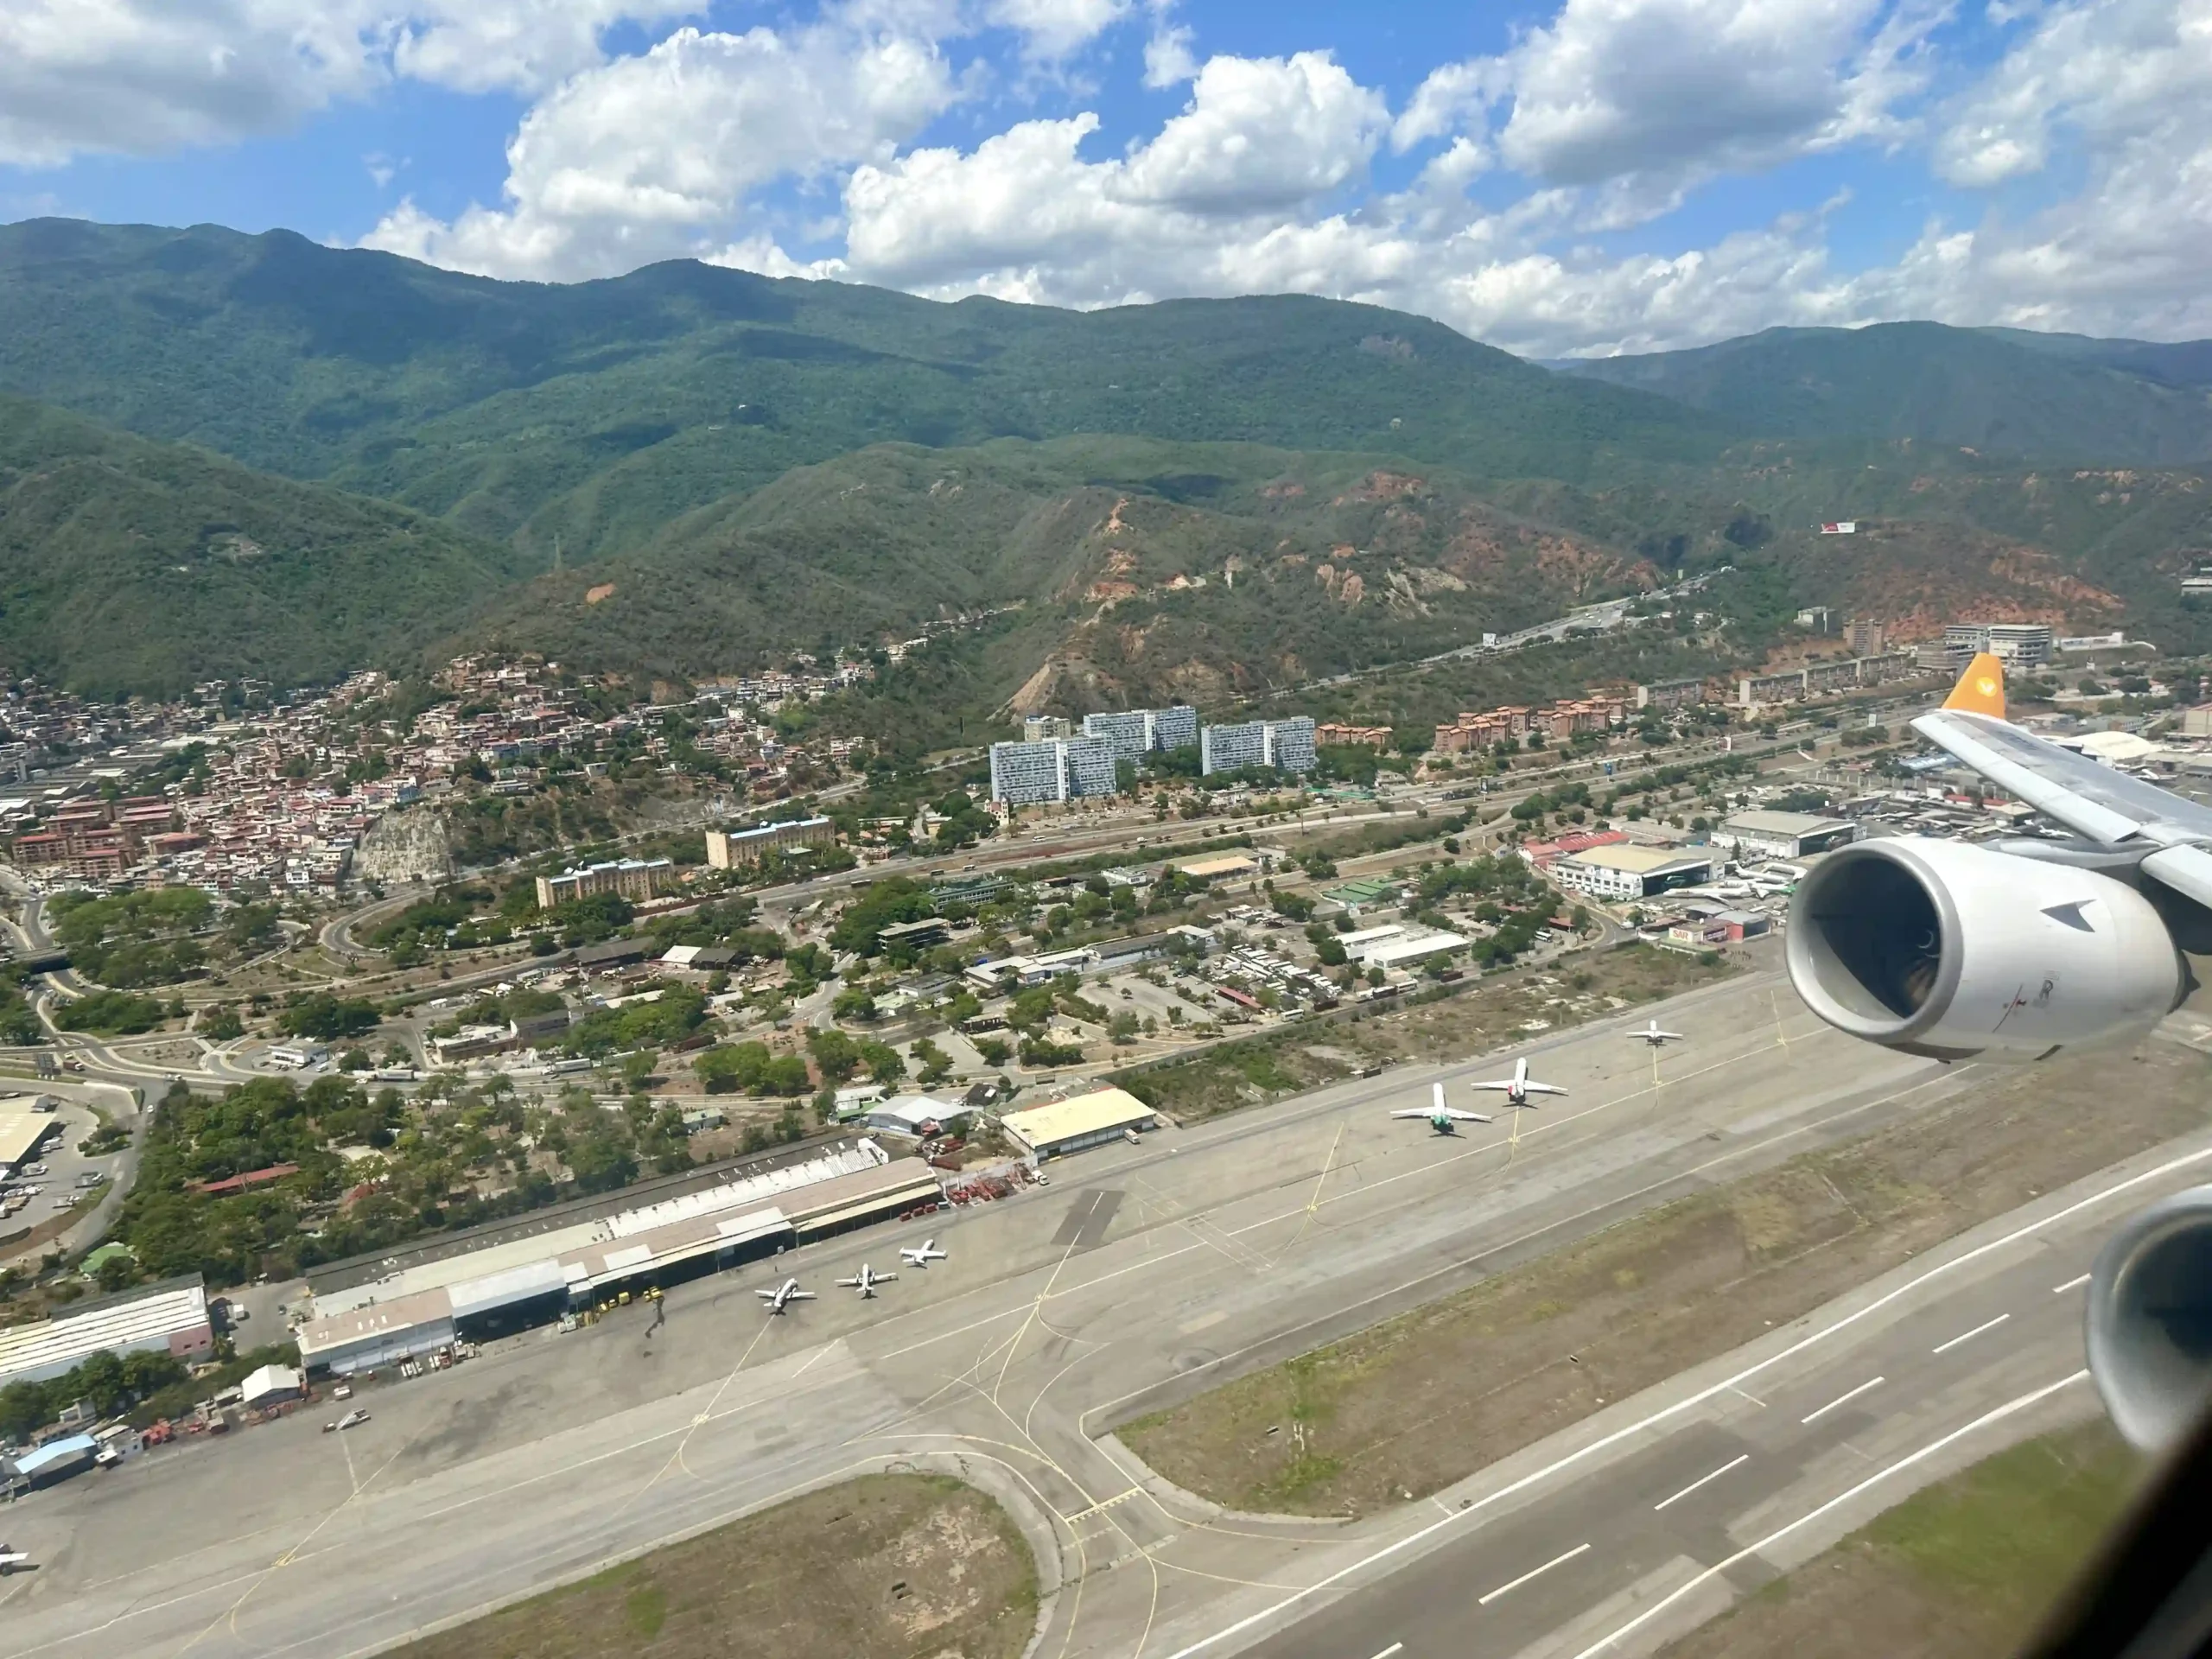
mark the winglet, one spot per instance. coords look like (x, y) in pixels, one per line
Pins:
(1981, 690)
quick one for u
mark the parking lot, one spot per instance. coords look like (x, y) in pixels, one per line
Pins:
(67, 1177)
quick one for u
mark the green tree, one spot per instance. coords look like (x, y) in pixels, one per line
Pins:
(326, 1018)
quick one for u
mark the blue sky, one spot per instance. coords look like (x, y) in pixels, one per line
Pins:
(1595, 175)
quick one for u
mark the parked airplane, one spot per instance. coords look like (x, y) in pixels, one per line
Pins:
(783, 1296)
(867, 1280)
(921, 1254)
(1517, 1088)
(1443, 1119)
(12, 1558)
(1656, 1038)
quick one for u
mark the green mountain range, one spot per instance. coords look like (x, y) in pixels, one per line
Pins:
(2063, 397)
(597, 412)
(257, 454)
(128, 565)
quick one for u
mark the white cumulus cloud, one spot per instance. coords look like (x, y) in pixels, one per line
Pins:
(654, 155)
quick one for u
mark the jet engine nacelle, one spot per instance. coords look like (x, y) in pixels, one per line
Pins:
(2150, 1319)
(1951, 950)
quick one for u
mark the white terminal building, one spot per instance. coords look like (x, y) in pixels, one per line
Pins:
(1286, 745)
(491, 1281)
(1058, 769)
(1133, 732)
(1394, 943)
(1785, 835)
(1617, 873)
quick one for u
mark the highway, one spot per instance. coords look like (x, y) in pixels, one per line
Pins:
(1139, 1276)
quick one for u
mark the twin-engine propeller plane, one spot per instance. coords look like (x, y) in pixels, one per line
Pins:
(783, 1296)
(865, 1280)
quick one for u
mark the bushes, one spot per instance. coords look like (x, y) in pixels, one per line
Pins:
(326, 1018)
(133, 939)
(110, 1013)
(110, 1381)
(752, 1068)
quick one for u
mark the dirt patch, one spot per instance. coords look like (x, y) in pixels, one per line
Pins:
(1960, 1569)
(1495, 1012)
(603, 591)
(893, 1567)
(1522, 1355)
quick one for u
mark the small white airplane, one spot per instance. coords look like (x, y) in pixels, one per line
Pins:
(867, 1280)
(1517, 1088)
(12, 1558)
(921, 1254)
(1653, 1036)
(1445, 1120)
(783, 1296)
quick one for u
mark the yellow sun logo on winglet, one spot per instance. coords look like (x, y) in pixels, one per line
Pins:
(1981, 690)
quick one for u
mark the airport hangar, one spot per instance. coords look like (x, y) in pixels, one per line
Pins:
(374, 1310)
(1088, 1119)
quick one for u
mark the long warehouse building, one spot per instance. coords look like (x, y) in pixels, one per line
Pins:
(363, 1321)
(168, 1318)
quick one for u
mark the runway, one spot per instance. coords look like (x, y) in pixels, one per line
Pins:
(1141, 1275)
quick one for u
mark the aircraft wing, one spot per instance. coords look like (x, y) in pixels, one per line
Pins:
(1415, 1111)
(1499, 1085)
(2089, 798)
(1459, 1116)
(1544, 1088)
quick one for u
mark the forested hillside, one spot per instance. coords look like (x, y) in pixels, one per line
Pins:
(2001, 392)
(691, 470)
(598, 412)
(131, 566)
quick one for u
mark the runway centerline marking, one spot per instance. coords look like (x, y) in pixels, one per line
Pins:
(1533, 1573)
(1605, 1442)
(1968, 1336)
(2011, 1406)
(2071, 1284)
(1843, 1399)
(1702, 1480)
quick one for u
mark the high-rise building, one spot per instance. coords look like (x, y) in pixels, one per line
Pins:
(1864, 636)
(2023, 644)
(1230, 748)
(1062, 769)
(1286, 745)
(1176, 727)
(1133, 732)
(1043, 728)
(1290, 745)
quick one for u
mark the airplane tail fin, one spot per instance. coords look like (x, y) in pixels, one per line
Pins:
(1981, 690)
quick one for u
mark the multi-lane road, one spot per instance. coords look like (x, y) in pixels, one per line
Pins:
(1141, 1275)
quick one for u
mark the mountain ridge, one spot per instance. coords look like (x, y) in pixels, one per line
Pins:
(2001, 391)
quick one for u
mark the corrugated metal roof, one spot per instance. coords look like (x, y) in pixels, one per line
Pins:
(164, 1310)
